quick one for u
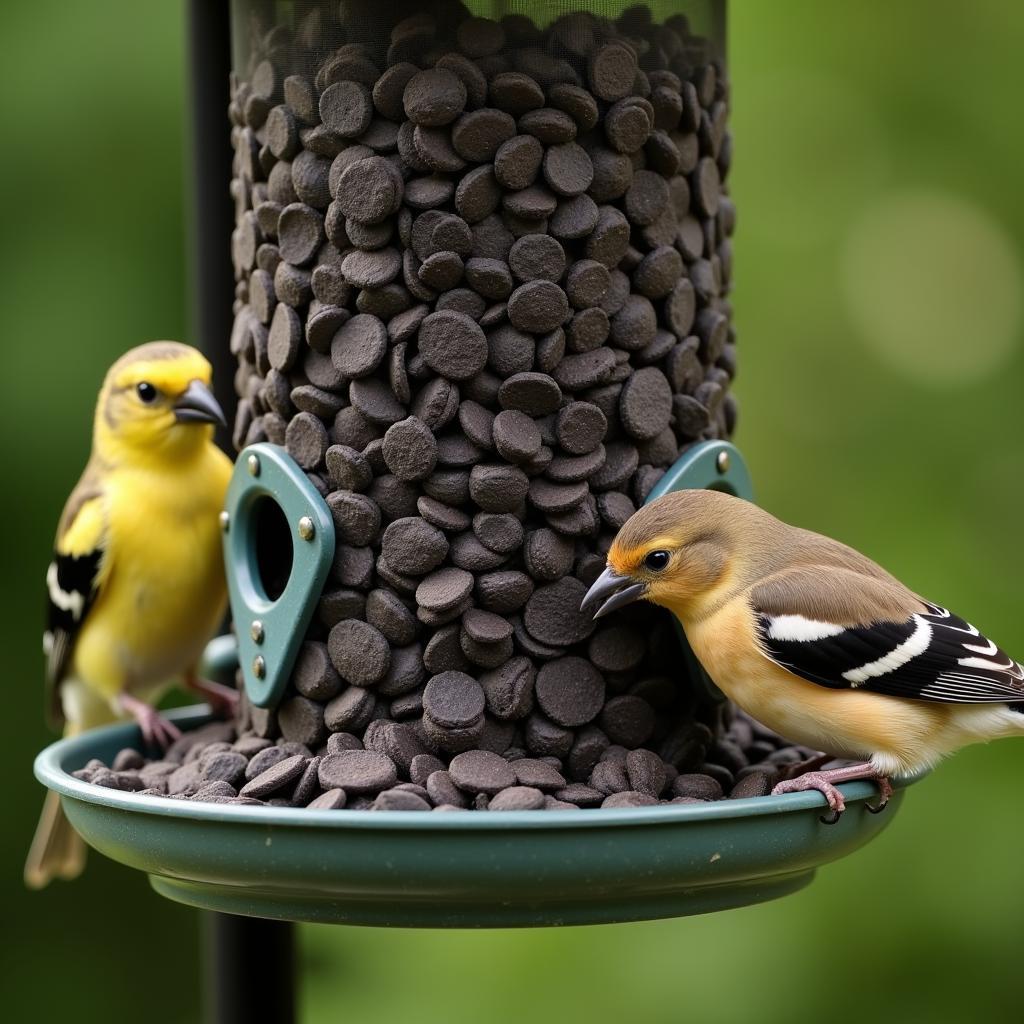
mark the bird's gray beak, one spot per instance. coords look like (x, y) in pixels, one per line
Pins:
(197, 405)
(618, 590)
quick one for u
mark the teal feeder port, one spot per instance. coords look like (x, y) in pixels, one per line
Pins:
(279, 542)
(458, 869)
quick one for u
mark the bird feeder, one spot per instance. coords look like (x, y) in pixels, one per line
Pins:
(618, 181)
(408, 869)
(496, 869)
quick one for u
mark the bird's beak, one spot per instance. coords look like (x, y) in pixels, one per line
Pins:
(619, 591)
(197, 405)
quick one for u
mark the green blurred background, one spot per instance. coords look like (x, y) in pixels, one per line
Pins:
(879, 287)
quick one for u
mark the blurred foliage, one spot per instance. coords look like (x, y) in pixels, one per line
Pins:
(851, 120)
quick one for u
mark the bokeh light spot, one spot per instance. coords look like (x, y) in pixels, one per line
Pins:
(933, 285)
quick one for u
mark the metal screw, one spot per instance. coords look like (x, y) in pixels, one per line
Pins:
(253, 463)
(225, 520)
(722, 462)
(306, 528)
(259, 666)
(256, 631)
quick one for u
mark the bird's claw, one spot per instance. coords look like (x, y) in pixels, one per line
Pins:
(824, 783)
(157, 731)
(820, 782)
(885, 792)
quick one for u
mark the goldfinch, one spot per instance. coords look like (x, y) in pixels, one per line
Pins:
(136, 586)
(813, 639)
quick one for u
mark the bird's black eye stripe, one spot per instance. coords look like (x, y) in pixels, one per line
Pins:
(146, 391)
(656, 560)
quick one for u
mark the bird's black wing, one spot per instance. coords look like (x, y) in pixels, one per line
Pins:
(72, 586)
(932, 655)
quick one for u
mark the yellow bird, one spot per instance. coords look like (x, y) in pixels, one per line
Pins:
(136, 586)
(813, 639)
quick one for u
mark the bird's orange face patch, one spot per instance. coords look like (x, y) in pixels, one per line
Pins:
(676, 574)
(629, 560)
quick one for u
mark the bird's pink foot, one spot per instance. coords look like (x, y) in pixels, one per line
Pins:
(825, 783)
(820, 782)
(156, 730)
(812, 764)
(223, 700)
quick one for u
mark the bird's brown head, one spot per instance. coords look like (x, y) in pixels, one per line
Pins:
(674, 552)
(156, 400)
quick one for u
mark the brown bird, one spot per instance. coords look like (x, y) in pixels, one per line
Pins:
(813, 639)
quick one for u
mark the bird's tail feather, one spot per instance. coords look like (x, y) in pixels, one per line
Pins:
(57, 850)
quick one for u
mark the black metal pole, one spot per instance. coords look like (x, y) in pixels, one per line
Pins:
(249, 970)
(212, 213)
(249, 963)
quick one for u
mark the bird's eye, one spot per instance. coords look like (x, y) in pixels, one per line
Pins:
(146, 391)
(656, 560)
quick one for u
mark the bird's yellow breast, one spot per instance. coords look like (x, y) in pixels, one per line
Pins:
(163, 592)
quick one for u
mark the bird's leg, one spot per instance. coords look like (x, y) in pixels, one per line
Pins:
(222, 699)
(825, 783)
(811, 764)
(156, 730)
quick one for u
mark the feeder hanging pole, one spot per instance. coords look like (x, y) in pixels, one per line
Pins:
(249, 965)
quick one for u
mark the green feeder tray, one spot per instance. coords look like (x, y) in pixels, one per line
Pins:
(460, 869)
(454, 869)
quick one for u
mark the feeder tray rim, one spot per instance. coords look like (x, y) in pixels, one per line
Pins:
(50, 771)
